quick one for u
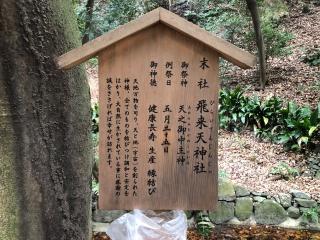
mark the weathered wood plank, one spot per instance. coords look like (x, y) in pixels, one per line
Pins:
(178, 185)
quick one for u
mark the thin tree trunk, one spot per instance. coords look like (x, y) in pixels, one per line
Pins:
(253, 8)
(45, 146)
(89, 12)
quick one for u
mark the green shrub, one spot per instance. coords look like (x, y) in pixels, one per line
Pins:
(95, 118)
(223, 174)
(312, 57)
(232, 109)
(275, 39)
(316, 2)
(93, 62)
(232, 21)
(107, 15)
(264, 115)
(95, 140)
(237, 111)
(298, 126)
(95, 123)
(229, 19)
(95, 187)
(284, 171)
(311, 215)
(203, 225)
(306, 8)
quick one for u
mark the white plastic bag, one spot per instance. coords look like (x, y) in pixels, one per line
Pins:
(148, 225)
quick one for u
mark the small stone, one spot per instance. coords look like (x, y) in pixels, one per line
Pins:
(299, 194)
(291, 223)
(244, 208)
(241, 191)
(261, 194)
(315, 227)
(306, 202)
(259, 199)
(293, 212)
(256, 193)
(270, 212)
(317, 175)
(255, 204)
(223, 213)
(226, 190)
(107, 216)
(276, 198)
(100, 227)
(234, 221)
(285, 199)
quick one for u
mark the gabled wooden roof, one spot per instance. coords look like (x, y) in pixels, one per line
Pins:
(227, 50)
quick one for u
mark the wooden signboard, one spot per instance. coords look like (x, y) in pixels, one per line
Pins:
(158, 122)
(158, 96)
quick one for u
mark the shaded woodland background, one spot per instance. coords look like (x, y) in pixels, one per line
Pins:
(279, 102)
(269, 135)
(269, 139)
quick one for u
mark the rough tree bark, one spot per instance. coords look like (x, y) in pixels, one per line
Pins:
(253, 8)
(89, 12)
(45, 146)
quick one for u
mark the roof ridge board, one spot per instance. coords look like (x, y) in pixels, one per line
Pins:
(227, 50)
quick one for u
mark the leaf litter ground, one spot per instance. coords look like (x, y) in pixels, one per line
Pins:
(245, 159)
(248, 160)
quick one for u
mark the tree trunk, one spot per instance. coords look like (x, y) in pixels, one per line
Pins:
(253, 8)
(45, 146)
(89, 12)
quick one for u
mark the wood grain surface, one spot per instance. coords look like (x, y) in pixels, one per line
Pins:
(176, 185)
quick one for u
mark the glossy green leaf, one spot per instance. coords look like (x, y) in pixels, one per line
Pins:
(312, 130)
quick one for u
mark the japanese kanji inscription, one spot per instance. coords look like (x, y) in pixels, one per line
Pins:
(158, 123)
(158, 98)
